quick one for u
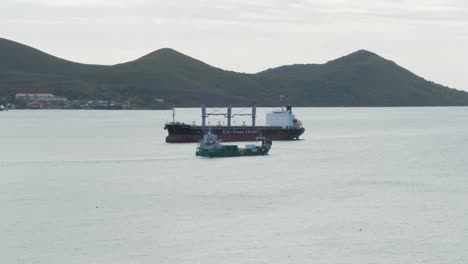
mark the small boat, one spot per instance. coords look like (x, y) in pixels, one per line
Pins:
(210, 146)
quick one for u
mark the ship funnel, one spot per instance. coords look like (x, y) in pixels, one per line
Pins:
(289, 108)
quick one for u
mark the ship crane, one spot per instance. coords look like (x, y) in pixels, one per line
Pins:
(228, 114)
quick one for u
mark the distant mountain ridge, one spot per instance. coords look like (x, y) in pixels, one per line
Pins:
(361, 78)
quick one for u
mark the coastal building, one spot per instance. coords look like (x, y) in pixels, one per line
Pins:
(41, 97)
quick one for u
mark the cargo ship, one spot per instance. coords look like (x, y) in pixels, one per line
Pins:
(280, 125)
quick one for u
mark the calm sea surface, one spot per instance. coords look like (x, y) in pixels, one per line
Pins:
(365, 185)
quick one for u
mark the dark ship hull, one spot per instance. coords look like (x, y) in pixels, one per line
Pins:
(184, 133)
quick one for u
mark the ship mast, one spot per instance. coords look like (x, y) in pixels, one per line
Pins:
(229, 115)
(203, 114)
(282, 103)
(254, 114)
(173, 113)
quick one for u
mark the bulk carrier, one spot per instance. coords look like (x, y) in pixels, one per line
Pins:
(280, 125)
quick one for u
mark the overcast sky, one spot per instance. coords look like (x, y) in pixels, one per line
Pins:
(428, 37)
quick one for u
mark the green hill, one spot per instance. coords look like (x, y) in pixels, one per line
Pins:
(359, 79)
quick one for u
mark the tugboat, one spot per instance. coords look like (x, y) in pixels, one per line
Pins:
(210, 146)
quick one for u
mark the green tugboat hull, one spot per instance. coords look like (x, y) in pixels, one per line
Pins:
(232, 151)
(211, 147)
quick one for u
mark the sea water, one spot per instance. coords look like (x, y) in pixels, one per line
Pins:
(363, 185)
